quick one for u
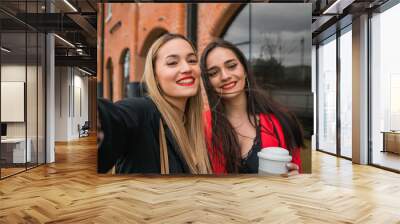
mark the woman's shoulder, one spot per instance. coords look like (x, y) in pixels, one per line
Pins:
(268, 118)
(137, 108)
(138, 102)
(143, 101)
(270, 122)
(139, 105)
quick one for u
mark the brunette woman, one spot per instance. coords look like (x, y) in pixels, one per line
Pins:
(242, 119)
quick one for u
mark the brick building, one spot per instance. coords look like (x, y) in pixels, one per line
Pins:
(126, 31)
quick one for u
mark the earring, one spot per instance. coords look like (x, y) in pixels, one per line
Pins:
(248, 83)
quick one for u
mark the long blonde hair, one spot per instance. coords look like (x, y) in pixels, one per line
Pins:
(188, 135)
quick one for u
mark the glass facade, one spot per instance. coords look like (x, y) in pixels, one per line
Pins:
(334, 80)
(385, 89)
(22, 79)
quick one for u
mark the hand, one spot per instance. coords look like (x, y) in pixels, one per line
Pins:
(293, 169)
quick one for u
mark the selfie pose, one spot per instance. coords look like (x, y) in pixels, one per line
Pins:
(242, 119)
(162, 132)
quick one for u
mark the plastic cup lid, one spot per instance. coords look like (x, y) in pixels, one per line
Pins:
(275, 153)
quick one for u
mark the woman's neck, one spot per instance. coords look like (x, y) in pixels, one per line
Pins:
(179, 104)
(236, 107)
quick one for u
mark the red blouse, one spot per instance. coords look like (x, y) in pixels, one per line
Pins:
(268, 139)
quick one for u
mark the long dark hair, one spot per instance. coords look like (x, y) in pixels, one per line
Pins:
(258, 101)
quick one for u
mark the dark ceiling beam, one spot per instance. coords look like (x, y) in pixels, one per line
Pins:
(83, 61)
(15, 18)
(49, 22)
(53, 22)
(91, 5)
(84, 24)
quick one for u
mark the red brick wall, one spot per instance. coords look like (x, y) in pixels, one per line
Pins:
(154, 19)
(119, 35)
(134, 26)
(212, 19)
(99, 19)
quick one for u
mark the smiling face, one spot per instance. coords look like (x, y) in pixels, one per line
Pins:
(177, 71)
(225, 72)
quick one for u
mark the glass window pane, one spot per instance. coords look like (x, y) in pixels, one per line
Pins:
(238, 32)
(126, 73)
(110, 79)
(346, 94)
(41, 98)
(13, 87)
(281, 56)
(23, 84)
(31, 101)
(327, 96)
(385, 88)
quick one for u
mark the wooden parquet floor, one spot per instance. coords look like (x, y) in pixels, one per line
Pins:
(70, 191)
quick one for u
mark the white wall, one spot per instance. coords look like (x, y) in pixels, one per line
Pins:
(16, 73)
(33, 127)
(61, 103)
(12, 73)
(71, 94)
(81, 100)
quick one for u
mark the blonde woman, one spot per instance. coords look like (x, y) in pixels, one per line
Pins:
(162, 132)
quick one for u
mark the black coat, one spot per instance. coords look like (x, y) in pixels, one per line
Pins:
(131, 138)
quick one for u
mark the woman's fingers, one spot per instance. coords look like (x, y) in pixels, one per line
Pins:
(293, 169)
(292, 166)
(293, 173)
(290, 173)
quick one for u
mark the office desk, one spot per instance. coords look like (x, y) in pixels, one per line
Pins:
(13, 150)
(391, 141)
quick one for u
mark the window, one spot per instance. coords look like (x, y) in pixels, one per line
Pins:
(110, 79)
(238, 32)
(346, 93)
(22, 65)
(385, 88)
(327, 95)
(126, 67)
(279, 52)
(109, 11)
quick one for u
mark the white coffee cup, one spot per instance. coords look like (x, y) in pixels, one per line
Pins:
(273, 160)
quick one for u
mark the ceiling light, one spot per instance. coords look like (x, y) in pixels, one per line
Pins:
(70, 5)
(5, 50)
(84, 71)
(338, 6)
(64, 40)
(331, 7)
